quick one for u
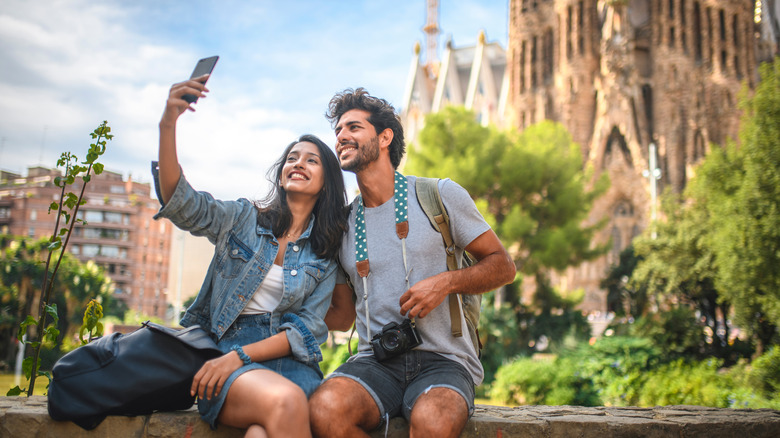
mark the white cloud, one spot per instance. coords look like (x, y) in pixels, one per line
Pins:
(69, 65)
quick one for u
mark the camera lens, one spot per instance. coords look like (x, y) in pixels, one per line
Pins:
(390, 341)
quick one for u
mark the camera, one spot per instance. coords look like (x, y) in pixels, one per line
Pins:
(395, 339)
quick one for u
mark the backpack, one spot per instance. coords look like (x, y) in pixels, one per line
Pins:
(430, 200)
(150, 369)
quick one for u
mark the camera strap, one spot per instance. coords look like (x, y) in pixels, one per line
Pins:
(400, 199)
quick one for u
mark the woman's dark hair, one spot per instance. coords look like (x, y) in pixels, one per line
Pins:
(330, 211)
(382, 116)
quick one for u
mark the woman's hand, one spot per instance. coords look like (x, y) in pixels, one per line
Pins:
(175, 105)
(213, 374)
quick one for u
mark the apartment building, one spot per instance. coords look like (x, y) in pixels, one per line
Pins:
(119, 232)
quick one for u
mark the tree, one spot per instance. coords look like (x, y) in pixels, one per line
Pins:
(678, 266)
(739, 188)
(530, 187)
(623, 297)
(21, 270)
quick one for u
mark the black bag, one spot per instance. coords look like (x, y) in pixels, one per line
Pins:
(150, 369)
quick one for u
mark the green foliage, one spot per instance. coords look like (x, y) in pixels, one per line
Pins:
(533, 191)
(332, 357)
(21, 273)
(67, 209)
(764, 375)
(543, 382)
(678, 265)
(617, 367)
(739, 189)
(676, 333)
(511, 331)
(531, 185)
(630, 371)
(91, 323)
(684, 383)
(502, 337)
(623, 297)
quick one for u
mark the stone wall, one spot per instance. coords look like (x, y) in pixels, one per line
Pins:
(28, 417)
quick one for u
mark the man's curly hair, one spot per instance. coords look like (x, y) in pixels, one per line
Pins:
(382, 116)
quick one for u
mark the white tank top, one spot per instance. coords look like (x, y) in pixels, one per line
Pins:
(269, 294)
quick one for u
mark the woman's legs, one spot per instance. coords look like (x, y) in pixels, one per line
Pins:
(266, 404)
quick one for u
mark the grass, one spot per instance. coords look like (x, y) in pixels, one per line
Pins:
(7, 382)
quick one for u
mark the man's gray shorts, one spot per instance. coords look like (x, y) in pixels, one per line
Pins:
(396, 383)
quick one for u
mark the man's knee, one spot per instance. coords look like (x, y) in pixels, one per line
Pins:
(439, 412)
(342, 400)
(323, 399)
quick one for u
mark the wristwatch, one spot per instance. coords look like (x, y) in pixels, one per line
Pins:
(243, 356)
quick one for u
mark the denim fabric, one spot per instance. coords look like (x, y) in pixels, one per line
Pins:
(395, 384)
(246, 330)
(243, 255)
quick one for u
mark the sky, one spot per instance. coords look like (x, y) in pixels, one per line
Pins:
(67, 65)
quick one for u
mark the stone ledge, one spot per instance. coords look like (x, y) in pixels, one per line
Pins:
(28, 417)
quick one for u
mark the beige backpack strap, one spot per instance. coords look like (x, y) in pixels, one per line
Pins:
(430, 201)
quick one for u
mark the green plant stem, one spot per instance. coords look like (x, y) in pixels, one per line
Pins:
(46, 292)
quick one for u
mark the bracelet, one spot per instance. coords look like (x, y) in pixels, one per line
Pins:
(243, 356)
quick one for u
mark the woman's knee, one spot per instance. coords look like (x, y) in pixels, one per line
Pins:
(286, 398)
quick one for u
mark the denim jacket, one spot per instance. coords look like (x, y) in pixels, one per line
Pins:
(244, 252)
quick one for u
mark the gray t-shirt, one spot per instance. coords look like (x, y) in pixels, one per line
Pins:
(425, 258)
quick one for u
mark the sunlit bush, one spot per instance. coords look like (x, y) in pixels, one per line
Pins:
(543, 382)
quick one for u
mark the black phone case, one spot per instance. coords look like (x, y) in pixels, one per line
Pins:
(204, 66)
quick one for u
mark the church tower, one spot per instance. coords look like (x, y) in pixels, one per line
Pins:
(630, 79)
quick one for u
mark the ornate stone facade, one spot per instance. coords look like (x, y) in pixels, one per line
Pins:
(620, 75)
(624, 74)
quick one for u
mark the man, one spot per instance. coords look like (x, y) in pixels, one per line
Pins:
(399, 273)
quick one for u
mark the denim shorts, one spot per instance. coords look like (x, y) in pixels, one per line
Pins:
(246, 330)
(396, 383)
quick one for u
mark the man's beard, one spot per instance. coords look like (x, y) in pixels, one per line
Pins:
(366, 154)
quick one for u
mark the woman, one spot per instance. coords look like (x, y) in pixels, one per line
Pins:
(269, 284)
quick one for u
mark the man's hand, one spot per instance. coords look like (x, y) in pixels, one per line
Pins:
(425, 295)
(213, 374)
(494, 268)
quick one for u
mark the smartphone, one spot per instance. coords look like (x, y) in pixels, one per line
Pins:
(204, 66)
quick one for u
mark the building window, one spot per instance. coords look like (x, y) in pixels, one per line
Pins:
(581, 28)
(569, 35)
(522, 66)
(113, 218)
(697, 44)
(547, 48)
(617, 245)
(90, 250)
(109, 251)
(624, 209)
(683, 27)
(534, 57)
(91, 216)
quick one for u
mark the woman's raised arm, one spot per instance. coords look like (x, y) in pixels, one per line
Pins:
(174, 107)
